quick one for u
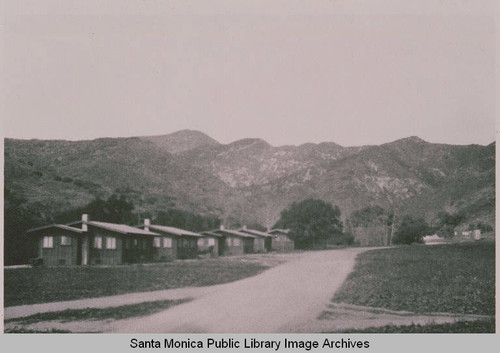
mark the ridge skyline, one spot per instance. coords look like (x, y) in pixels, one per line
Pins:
(413, 138)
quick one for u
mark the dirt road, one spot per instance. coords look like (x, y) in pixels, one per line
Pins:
(282, 299)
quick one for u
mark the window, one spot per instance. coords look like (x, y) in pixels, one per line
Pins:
(211, 241)
(48, 242)
(236, 242)
(200, 242)
(65, 240)
(136, 242)
(127, 244)
(98, 242)
(228, 241)
(157, 242)
(167, 242)
(110, 243)
(185, 243)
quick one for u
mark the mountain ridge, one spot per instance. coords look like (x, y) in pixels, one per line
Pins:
(249, 180)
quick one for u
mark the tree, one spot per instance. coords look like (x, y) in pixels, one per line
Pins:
(18, 247)
(411, 230)
(371, 224)
(446, 223)
(369, 215)
(116, 209)
(311, 222)
(187, 220)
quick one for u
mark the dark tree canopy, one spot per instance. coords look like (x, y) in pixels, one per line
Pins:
(411, 230)
(186, 220)
(369, 215)
(446, 223)
(116, 209)
(18, 247)
(311, 222)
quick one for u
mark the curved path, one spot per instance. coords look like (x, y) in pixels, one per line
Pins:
(282, 299)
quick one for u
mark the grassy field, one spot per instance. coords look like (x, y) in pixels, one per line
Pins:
(455, 278)
(49, 284)
(478, 326)
(115, 313)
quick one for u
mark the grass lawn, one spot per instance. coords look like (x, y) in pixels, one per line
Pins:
(23, 330)
(455, 278)
(116, 313)
(50, 284)
(478, 326)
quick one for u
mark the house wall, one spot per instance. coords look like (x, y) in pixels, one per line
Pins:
(137, 248)
(230, 248)
(259, 245)
(187, 247)
(248, 245)
(204, 247)
(282, 243)
(105, 256)
(268, 243)
(58, 255)
(162, 254)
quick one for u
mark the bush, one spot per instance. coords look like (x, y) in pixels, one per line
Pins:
(342, 239)
(411, 230)
(311, 222)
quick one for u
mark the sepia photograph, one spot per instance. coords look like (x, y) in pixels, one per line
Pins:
(197, 167)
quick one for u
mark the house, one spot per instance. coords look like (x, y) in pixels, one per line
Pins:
(262, 242)
(209, 243)
(95, 243)
(58, 244)
(183, 244)
(235, 242)
(433, 240)
(471, 234)
(281, 241)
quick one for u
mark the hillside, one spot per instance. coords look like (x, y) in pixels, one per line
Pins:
(249, 180)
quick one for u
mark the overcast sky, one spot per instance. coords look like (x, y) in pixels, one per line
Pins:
(352, 72)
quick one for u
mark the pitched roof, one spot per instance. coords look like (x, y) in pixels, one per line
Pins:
(59, 226)
(212, 234)
(173, 230)
(235, 232)
(255, 232)
(120, 228)
(282, 231)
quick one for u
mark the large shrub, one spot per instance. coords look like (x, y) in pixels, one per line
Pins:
(411, 230)
(311, 222)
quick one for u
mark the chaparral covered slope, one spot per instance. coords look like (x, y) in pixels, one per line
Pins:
(249, 180)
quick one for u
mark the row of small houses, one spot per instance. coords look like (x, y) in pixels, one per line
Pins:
(89, 242)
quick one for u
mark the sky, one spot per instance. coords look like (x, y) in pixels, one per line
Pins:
(352, 72)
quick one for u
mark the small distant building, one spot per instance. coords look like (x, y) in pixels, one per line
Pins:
(281, 241)
(235, 242)
(476, 234)
(262, 242)
(209, 243)
(433, 240)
